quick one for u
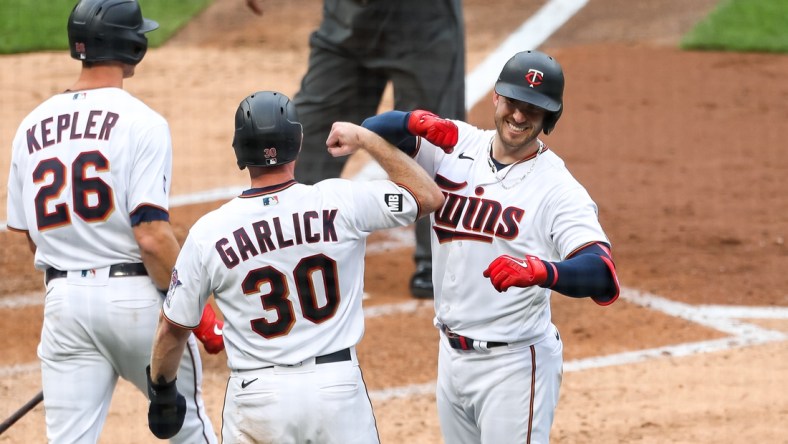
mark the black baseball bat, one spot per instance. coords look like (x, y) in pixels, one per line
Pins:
(29, 405)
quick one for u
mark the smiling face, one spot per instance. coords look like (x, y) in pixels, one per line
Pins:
(518, 124)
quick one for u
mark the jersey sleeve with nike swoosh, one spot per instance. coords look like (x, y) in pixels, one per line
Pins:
(472, 144)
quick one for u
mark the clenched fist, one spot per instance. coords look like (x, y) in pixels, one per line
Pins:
(438, 131)
(507, 271)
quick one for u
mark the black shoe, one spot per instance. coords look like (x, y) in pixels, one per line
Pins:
(421, 282)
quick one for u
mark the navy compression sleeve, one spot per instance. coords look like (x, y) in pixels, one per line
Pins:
(393, 127)
(585, 274)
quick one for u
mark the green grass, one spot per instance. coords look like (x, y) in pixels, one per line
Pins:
(36, 25)
(742, 25)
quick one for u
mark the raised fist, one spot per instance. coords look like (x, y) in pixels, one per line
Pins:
(438, 131)
(507, 271)
(209, 332)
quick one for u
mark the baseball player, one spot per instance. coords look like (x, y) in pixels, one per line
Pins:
(515, 225)
(358, 48)
(285, 262)
(89, 183)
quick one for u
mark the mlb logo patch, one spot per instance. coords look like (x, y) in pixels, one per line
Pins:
(79, 96)
(394, 202)
(270, 200)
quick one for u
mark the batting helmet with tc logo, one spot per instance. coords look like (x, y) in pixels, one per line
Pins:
(536, 78)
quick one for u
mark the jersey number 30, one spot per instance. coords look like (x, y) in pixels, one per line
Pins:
(277, 298)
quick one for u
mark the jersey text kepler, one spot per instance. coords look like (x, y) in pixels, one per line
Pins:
(53, 129)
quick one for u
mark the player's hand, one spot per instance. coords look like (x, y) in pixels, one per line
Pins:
(167, 407)
(255, 6)
(438, 131)
(345, 138)
(209, 332)
(507, 271)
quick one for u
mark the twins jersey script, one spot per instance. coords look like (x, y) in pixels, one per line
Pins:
(86, 160)
(532, 207)
(286, 266)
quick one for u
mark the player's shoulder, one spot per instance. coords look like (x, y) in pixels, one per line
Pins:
(335, 186)
(472, 139)
(219, 217)
(137, 108)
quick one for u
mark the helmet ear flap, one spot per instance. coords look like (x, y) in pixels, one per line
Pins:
(550, 119)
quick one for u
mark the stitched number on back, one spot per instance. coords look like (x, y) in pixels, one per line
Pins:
(91, 197)
(305, 273)
(276, 299)
(44, 218)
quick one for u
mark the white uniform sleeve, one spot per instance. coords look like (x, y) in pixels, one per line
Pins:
(150, 176)
(382, 204)
(189, 287)
(574, 222)
(15, 206)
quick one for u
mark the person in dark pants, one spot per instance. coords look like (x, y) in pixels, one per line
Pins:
(359, 47)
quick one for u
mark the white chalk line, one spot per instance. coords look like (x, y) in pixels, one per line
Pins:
(720, 318)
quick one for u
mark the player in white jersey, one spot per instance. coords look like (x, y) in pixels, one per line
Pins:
(89, 184)
(515, 225)
(285, 262)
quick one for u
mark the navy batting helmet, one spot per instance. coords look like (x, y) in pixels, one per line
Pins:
(536, 78)
(267, 130)
(108, 30)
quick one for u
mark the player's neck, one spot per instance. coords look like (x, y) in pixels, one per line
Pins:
(100, 76)
(270, 176)
(505, 154)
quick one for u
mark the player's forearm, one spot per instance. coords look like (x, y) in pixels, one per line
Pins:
(168, 347)
(582, 276)
(159, 249)
(393, 127)
(403, 170)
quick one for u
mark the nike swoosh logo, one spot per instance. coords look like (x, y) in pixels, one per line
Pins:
(463, 156)
(216, 330)
(246, 383)
(521, 263)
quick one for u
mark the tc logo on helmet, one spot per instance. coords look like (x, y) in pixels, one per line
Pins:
(534, 77)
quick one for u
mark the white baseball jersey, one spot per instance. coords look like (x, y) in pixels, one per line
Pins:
(531, 207)
(286, 266)
(81, 163)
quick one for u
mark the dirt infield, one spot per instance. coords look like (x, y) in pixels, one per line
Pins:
(683, 151)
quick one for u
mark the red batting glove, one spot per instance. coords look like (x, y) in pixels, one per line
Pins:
(209, 332)
(439, 132)
(507, 271)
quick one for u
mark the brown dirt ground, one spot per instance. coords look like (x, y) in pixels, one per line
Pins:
(683, 152)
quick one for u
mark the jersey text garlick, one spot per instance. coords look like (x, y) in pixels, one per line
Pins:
(268, 236)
